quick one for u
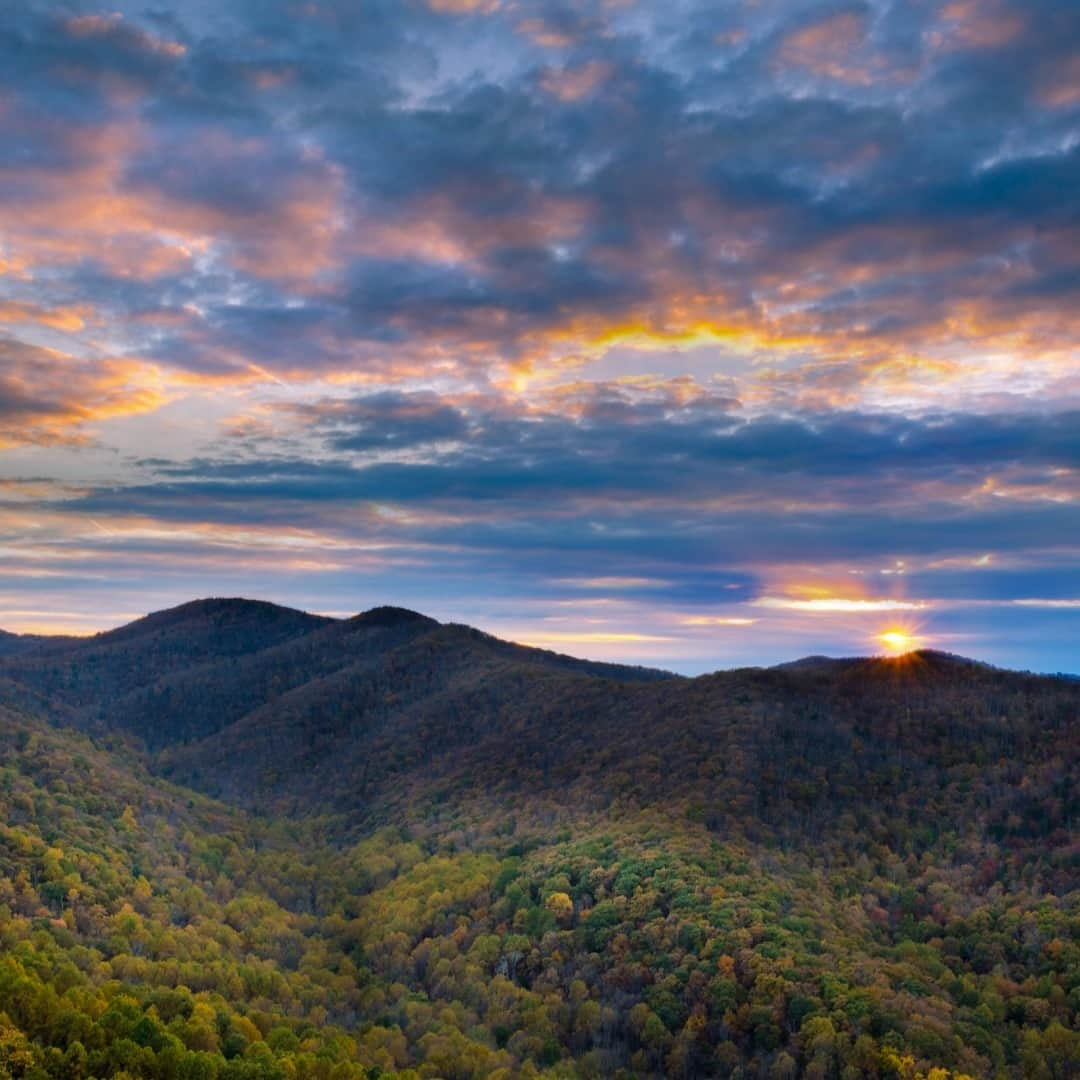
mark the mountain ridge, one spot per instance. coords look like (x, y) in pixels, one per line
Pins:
(244, 843)
(388, 614)
(244, 651)
(262, 704)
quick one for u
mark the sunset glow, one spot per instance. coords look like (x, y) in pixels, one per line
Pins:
(724, 332)
(898, 641)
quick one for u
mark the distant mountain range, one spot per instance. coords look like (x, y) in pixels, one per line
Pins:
(261, 703)
(566, 867)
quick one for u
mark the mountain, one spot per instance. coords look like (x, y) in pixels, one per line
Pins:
(81, 673)
(10, 644)
(197, 669)
(244, 841)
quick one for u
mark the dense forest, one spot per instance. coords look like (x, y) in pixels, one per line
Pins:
(246, 843)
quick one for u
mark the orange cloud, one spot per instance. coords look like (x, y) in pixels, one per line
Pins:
(1060, 86)
(544, 34)
(114, 25)
(48, 397)
(717, 620)
(439, 228)
(92, 210)
(573, 84)
(464, 7)
(976, 24)
(71, 318)
(613, 583)
(826, 48)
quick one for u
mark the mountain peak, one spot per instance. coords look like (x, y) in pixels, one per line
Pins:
(926, 657)
(390, 616)
(222, 605)
(939, 656)
(216, 610)
(808, 663)
(10, 643)
(17, 644)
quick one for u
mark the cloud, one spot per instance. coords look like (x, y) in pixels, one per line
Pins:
(575, 83)
(113, 32)
(464, 7)
(837, 604)
(828, 48)
(65, 318)
(47, 396)
(350, 175)
(385, 421)
(673, 299)
(655, 477)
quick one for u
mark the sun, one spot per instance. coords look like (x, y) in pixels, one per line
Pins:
(898, 641)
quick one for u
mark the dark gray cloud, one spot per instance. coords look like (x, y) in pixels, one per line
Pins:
(677, 481)
(387, 421)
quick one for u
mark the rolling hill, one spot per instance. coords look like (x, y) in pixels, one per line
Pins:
(242, 841)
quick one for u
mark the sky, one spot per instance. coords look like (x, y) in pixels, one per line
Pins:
(687, 333)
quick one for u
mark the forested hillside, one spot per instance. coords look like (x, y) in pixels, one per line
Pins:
(240, 841)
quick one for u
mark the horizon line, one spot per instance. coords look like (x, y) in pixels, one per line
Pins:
(131, 620)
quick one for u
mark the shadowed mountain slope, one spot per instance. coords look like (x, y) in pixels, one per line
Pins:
(277, 710)
(12, 644)
(194, 670)
(84, 672)
(452, 714)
